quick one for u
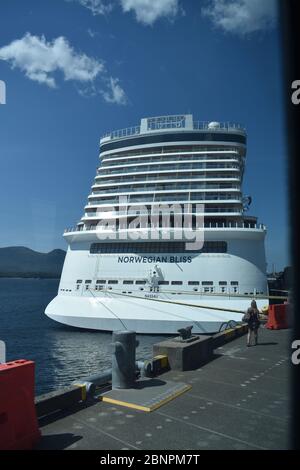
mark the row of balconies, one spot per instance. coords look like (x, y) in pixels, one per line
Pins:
(208, 210)
(200, 187)
(202, 196)
(213, 225)
(99, 189)
(141, 197)
(191, 186)
(205, 173)
(165, 151)
(189, 165)
(162, 178)
(122, 161)
(168, 150)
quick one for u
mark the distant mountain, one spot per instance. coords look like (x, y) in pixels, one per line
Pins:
(19, 261)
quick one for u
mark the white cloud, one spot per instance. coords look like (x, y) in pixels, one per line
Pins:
(97, 7)
(115, 94)
(148, 11)
(242, 16)
(91, 33)
(39, 60)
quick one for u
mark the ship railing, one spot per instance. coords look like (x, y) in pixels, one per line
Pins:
(166, 150)
(196, 150)
(107, 163)
(202, 198)
(231, 225)
(132, 211)
(211, 210)
(166, 166)
(107, 160)
(182, 151)
(118, 134)
(107, 183)
(197, 125)
(222, 126)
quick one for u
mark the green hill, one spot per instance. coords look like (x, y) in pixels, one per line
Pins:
(19, 261)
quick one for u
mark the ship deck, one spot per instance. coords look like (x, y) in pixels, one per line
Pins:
(239, 400)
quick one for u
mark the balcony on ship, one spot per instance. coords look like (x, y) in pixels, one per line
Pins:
(229, 228)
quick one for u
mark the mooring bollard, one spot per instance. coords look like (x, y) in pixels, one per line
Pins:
(123, 359)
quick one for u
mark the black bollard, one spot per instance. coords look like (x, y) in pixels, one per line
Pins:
(123, 359)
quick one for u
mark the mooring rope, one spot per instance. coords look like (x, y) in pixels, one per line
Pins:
(179, 303)
(109, 309)
(172, 314)
(221, 294)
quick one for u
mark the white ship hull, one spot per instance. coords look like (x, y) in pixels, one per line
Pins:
(81, 303)
(145, 316)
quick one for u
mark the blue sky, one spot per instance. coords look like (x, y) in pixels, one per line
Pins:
(75, 69)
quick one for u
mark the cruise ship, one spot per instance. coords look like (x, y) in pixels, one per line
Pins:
(166, 240)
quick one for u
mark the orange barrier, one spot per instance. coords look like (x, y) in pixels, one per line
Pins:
(278, 317)
(18, 421)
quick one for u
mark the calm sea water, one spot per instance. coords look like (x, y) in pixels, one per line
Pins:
(61, 354)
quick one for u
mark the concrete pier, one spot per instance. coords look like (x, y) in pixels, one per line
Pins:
(239, 400)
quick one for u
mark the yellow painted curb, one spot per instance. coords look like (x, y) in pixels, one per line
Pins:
(83, 390)
(148, 409)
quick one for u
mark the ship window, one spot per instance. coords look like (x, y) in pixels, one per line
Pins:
(155, 247)
(207, 283)
(234, 283)
(113, 281)
(140, 282)
(88, 282)
(101, 281)
(222, 283)
(176, 283)
(163, 283)
(193, 283)
(79, 281)
(127, 282)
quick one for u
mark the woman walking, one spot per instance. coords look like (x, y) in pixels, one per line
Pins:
(252, 318)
